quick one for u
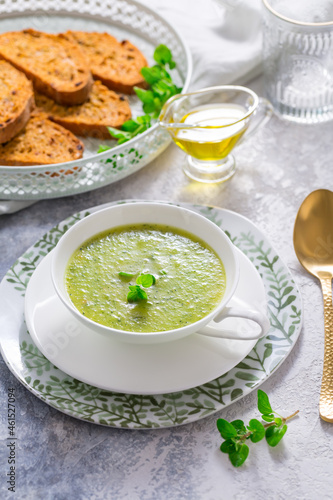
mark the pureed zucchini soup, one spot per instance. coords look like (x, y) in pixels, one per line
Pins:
(188, 278)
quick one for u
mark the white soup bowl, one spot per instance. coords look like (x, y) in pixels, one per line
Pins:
(180, 218)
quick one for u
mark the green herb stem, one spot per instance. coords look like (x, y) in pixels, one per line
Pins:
(270, 424)
(292, 415)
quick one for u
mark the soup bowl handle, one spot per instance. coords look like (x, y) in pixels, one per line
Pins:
(244, 328)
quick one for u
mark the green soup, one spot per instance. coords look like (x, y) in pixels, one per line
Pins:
(190, 278)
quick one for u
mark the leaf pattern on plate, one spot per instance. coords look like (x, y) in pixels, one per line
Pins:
(22, 270)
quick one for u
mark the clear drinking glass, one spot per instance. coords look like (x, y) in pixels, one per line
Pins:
(209, 123)
(298, 58)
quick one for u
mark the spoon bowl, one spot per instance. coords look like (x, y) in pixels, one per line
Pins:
(313, 243)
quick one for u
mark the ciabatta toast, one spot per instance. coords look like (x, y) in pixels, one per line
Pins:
(55, 65)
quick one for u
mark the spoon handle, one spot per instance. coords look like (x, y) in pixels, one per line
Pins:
(326, 393)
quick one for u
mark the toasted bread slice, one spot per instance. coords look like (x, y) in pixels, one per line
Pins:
(41, 142)
(56, 66)
(103, 108)
(16, 101)
(116, 64)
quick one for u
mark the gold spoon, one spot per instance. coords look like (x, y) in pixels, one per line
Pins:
(313, 243)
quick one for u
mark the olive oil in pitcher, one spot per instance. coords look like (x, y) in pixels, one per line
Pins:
(216, 130)
(207, 124)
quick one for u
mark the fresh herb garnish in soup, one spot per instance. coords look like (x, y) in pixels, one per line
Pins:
(185, 276)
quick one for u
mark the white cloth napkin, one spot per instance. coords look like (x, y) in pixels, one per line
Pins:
(224, 37)
(11, 206)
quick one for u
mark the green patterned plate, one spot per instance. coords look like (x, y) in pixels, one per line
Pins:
(113, 409)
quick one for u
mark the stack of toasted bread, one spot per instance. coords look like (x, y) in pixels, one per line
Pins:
(56, 87)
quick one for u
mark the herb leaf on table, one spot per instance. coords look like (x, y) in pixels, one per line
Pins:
(236, 433)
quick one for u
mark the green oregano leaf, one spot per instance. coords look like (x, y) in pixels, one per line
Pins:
(126, 275)
(263, 403)
(136, 294)
(274, 434)
(226, 429)
(152, 74)
(102, 148)
(228, 446)
(257, 430)
(129, 129)
(268, 418)
(239, 426)
(146, 280)
(237, 458)
(236, 433)
(162, 55)
(160, 89)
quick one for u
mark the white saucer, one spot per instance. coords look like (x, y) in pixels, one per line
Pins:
(131, 368)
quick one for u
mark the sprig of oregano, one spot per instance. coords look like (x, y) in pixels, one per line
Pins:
(137, 293)
(129, 129)
(160, 88)
(236, 433)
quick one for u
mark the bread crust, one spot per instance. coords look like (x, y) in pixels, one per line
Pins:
(56, 66)
(16, 101)
(116, 64)
(41, 142)
(103, 108)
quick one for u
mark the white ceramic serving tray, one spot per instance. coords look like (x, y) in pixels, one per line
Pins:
(125, 19)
